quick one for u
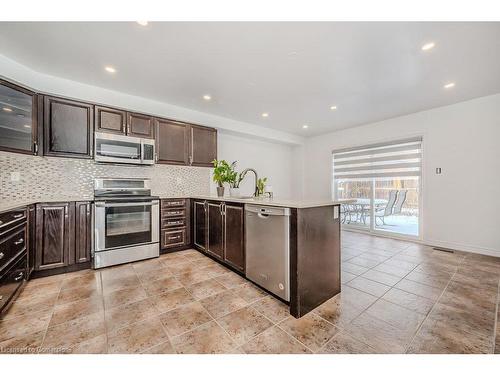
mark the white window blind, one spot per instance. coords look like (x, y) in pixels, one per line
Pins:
(395, 159)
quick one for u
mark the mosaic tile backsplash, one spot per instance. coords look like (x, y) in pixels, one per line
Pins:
(63, 178)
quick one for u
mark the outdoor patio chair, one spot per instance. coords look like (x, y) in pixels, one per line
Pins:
(387, 210)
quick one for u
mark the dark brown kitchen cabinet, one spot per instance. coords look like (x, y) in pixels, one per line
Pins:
(234, 250)
(68, 128)
(110, 120)
(18, 119)
(215, 229)
(83, 230)
(140, 125)
(175, 226)
(172, 142)
(31, 238)
(200, 224)
(218, 229)
(203, 146)
(54, 235)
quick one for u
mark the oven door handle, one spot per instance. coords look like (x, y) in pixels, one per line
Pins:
(102, 204)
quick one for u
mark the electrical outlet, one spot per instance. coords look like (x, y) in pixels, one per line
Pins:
(438, 170)
(15, 176)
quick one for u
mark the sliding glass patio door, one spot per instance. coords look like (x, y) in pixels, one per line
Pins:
(384, 182)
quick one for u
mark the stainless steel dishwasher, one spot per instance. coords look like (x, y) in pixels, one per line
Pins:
(267, 233)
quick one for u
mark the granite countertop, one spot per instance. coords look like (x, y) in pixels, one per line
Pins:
(292, 203)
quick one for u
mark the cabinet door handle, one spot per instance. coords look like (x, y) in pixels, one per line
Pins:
(19, 277)
(18, 242)
(35, 147)
(17, 216)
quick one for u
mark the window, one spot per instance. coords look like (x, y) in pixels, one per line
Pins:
(384, 181)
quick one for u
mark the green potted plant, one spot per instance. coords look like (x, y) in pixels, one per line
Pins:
(223, 172)
(261, 185)
(233, 178)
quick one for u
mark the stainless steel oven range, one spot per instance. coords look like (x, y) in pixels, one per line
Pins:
(126, 221)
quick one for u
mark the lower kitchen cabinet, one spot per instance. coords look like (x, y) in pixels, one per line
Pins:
(175, 224)
(63, 235)
(218, 229)
(13, 255)
(83, 231)
(234, 236)
(53, 235)
(31, 238)
(200, 224)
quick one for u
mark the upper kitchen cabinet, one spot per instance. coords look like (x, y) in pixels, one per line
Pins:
(203, 146)
(110, 120)
(140, 125)
(68, 128)
(172, 142)
(18, 119)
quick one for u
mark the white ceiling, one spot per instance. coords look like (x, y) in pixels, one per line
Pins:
(293, 71)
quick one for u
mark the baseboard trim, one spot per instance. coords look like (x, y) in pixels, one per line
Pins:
(436, 243)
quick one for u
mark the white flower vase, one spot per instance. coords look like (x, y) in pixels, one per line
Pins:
(234, 192)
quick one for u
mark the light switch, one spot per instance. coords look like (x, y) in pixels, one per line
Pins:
(438, 170)
(15, 176)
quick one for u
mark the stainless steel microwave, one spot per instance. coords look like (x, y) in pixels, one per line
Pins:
(114, 148)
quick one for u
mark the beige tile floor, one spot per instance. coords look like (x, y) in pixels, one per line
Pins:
(397, 297)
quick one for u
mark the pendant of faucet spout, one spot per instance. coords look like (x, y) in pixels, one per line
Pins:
(244, 173)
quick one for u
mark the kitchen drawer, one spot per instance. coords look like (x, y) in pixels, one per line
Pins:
(173, 222)
(11, 281)
(173, 238)
(13, 243)
(173, 212)
(8, 219)
(166, 203)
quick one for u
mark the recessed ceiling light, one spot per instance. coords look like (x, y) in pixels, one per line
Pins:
(449, 85)
(428, 46)
(7, 109)
(142, 23)
(207, 97)
(333, 107)
(265, 114)
(110, 69)
(305, 126)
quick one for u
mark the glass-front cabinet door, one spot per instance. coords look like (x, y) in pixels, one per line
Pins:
(18, 119)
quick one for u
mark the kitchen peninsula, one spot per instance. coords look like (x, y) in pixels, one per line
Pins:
(221, 228)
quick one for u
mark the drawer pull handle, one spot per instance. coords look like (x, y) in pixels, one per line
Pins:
(1, 222)
(19, 242)
(17, 216)
(174, 237)
(2, 255)
(19, 277)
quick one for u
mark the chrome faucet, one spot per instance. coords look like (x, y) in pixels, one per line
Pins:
(244, 173)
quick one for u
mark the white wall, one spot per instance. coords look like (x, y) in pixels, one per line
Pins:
(270, 159)
(461, 207)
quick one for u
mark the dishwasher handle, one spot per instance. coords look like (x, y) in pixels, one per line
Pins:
(266, 211)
